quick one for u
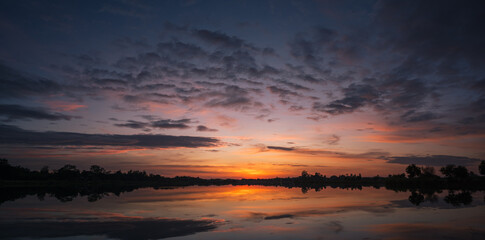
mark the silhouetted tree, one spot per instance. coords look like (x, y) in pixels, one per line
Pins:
(448, 170)
(44, 170)
(304, 174)
(413, 171)
(481, 168)
(97, 170)
(68, 172)
(428, 171)
(3, 162)
(455, 172)
(461, 172)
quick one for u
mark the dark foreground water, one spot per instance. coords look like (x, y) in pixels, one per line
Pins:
(248, 212)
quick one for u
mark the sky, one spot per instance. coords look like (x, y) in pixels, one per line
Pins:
(243, 89)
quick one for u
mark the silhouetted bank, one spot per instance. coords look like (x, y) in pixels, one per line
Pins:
(68, 182)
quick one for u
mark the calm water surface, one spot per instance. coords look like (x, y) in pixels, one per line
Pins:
(247, 212)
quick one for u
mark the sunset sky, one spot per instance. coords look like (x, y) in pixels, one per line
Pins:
(242, 88)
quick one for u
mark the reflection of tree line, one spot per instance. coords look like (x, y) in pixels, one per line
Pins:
(68, 182)
(454, 198)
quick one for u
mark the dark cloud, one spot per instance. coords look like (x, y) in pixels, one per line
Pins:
(14, 84)
(232, 97)
(219, 39)
(12, 135)
(202, 128)
(434, 160)
(281, 148)
(155, 86)
(179, 49)
(413, 116)
(17, 112)
(281, 216)
(479, 86)
(156, 122)
(322, 46)
(132, 124)
(355, 96)
(294, 85)
(282, 93)
(110, 82)
(308, 78)
(305, 50)
(123, 229)
(405, 93)
(169, 123)
(450, 33)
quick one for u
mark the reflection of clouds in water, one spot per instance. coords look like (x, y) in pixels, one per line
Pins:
(335, 226)
(248, 212)
(400, 231)
(260, 216)
(123, 229)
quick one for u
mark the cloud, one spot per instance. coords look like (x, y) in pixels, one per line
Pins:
(434, 160)
(181, 50)
(219, 39)
(413, 116)
(281, 148)
(132, 124)
(355, 96)
(309, 48)
(14, 84)
(321, 47)
(332, 140)
(232, 97)
(170, 124)
(17, 112)
(294, 85)
(202, 128)
(450, 35)
(323, 152)
(282, 93)
(12, 135)
(156, 122)
(404, 93)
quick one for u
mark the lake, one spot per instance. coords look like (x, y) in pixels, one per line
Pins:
(248, 212)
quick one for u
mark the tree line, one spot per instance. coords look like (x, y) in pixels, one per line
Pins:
(414, 176)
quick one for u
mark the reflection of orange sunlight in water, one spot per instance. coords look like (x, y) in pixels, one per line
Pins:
(270, 228)
(245, 191)
(328, 202)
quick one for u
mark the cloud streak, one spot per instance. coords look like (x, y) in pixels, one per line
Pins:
(434, 160)
(17, 112)
(12, 135)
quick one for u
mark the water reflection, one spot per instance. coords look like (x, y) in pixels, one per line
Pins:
(241, 212)
(124, 229)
